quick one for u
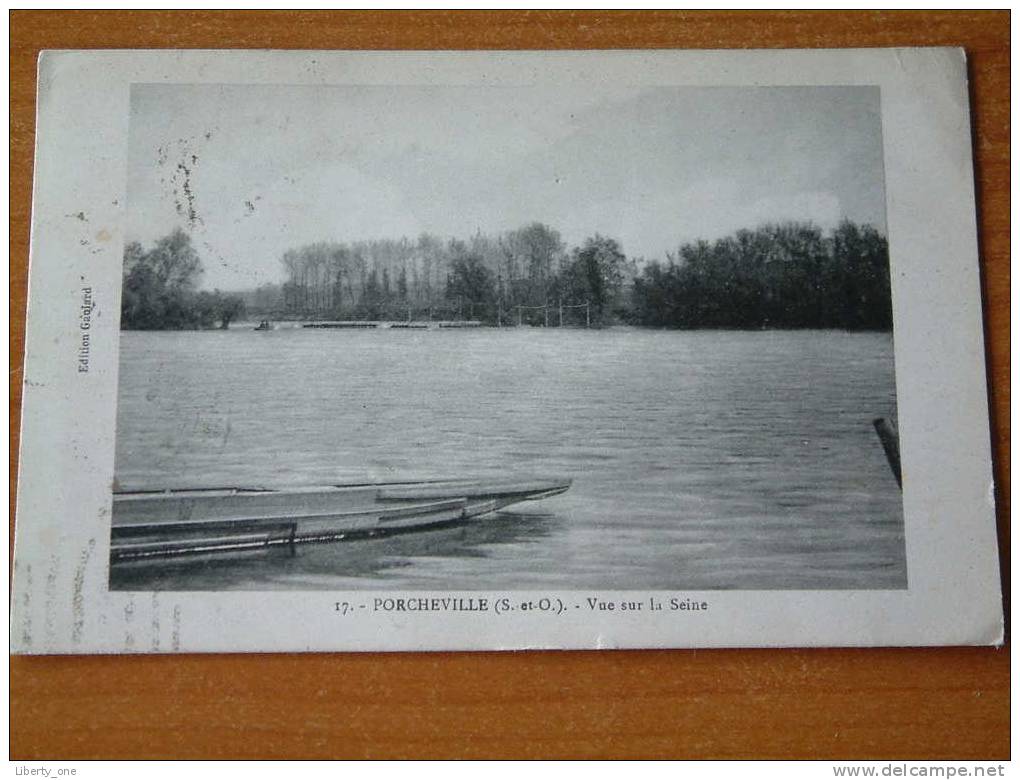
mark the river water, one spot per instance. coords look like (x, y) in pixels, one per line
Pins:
(700, 460)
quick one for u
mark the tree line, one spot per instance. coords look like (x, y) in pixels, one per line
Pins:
(159, 290)
(789, 275)
(491, 278)
(783, 275)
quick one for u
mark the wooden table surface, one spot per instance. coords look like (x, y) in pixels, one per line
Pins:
(902, 703)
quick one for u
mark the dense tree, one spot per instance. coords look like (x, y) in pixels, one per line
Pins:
(371, 300)
(858, 279)
(471, 286)
(175, 262)
(402, 284)
(531, 258)
(782, 276)
(141, 298)
(595, 274)
(159, 289)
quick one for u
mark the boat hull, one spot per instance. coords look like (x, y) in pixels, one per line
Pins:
(151, 524)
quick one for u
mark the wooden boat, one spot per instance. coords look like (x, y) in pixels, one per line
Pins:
(150, 524)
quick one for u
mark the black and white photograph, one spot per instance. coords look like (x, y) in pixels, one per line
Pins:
(495, 337)
(404, 351)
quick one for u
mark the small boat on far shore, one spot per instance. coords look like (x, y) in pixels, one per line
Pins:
(151, 524)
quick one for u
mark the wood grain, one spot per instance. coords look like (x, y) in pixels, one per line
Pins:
(904, 703)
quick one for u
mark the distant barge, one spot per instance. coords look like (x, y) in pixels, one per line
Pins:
(177, 522)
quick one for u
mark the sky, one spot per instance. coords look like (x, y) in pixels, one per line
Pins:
(254, 170)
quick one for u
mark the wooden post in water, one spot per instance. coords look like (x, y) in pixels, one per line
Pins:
(587, 314)
(891, 444)
(561, 312)
(545, 313)
(519, 323)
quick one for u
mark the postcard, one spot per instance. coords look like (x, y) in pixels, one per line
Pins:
(503, 350)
